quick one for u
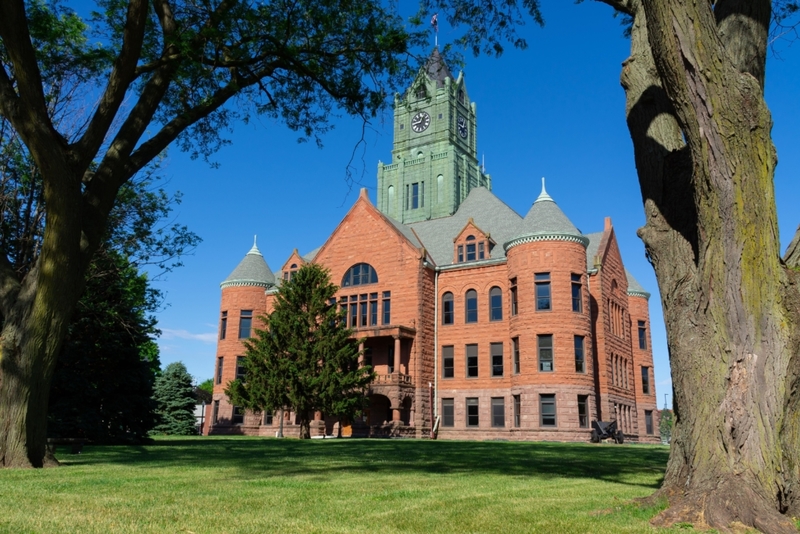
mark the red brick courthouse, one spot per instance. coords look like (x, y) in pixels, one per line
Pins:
(517, 327)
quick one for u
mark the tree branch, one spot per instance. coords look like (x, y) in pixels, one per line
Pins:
(623, 6)
(123, 73)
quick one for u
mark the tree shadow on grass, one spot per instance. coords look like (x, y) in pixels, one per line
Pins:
(262, 458)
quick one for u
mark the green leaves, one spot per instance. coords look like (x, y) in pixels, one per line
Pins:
(305, 359)
(174, 394)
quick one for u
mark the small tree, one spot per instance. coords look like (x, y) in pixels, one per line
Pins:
(665, 425)
(174, 394)
(305, 359)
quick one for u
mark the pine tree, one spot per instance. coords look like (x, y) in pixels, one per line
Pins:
(174, 394)
(305, 359)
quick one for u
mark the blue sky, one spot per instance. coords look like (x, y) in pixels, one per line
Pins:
(554, 110)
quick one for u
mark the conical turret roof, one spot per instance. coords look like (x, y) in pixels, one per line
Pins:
(251, 271)
(546, 221)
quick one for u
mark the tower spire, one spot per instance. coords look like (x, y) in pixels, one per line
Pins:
(543, 195)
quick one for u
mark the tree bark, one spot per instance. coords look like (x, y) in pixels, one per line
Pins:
(705, 159)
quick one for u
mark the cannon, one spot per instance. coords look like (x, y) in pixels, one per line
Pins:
(606, 430)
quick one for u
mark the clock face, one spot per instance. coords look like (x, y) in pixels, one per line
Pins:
(420, 122)
(462, 126)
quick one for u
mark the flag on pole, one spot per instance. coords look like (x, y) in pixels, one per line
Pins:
(435, 22)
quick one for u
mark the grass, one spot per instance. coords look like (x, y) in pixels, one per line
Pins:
(242, 485)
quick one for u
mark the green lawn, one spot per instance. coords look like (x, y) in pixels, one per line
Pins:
(218, 485)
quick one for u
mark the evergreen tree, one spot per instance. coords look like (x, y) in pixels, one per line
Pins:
(103, 383)
(174, 395)
(305, 358)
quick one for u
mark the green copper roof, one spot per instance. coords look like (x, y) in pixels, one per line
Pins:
(251, 271)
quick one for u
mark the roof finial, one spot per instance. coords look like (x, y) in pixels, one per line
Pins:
(543, 195)
(254, 250)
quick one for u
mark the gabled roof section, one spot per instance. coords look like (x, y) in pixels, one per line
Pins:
(294, 259)
(546, 221)
(472, 228)
(363, 198)
(436, 69)
(592, 248)
(635, 289)
(488, 213)
(251, 271)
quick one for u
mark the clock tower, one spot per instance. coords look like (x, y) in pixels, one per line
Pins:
(435, 156)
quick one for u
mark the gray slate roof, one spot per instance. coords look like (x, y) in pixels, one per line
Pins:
(251, 271)
(488, 212)
(437, 69)
(545, 217)
(591, 249)
(635, 287)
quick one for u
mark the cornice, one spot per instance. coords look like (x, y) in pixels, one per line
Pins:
(546, 236)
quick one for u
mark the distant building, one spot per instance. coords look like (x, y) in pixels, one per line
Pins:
(517, 327)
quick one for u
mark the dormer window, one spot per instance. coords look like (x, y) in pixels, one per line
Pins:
(471, 252)
(289, 274)
(472, 244)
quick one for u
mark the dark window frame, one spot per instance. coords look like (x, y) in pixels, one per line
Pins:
(448, 362)
(517, 411)
(496, 359)
(473, 411)
(541, 351)
(544, 294)
(387, 308)
(645, 380)
(547, 400)
(360, 274)
(237, 417)
(495, 304)
(448, 412)
(220, 363)
(514, 297)
(472, 368)
(580, 354)
(498, 405)
(577, 293)
(583, 411)
(642, 335)
(241, 372)
(223, 324)
(471, 306)
(448, 308)
(245, 324)
(648, 422)
(515, 354)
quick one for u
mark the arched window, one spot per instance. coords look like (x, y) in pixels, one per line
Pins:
(495, 304)
(448, 310)
(471, 306)
(360, 274)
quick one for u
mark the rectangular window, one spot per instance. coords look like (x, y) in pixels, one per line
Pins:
(646, 380)
(515, 349)
(472, 361)
(215, 413)
(577, 296)
(542, 282)
(373, 309)
(407, 197)
(517, 410)
(238, 415)
(580, 362)
(498, 412)
(268, 418)
(642, 336)
(422, 194)
(448, 368)
(460, 253)
(545, 346)
(391, 360)
(648, 422)
(513, 283)
(496, 304)
(363, 309)
(583, 411)
(472, 411)
(448, 413)
(219, 370)
(480, 250)
(470, 251)
(245, 323)
(414, 196)
(547, 410)
(496, 350)
(387, 307)
(240, 370)
(223, 325)
(353, 311)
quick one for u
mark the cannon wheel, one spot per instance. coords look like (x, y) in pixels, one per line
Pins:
(619, 438)
(595, 436)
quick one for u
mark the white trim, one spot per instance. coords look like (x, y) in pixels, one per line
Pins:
(532, 238)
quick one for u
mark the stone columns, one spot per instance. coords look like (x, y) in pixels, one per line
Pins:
(361, 355)
(397, 359)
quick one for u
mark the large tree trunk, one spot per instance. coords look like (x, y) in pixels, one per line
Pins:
(36, 314)
(701, 135)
